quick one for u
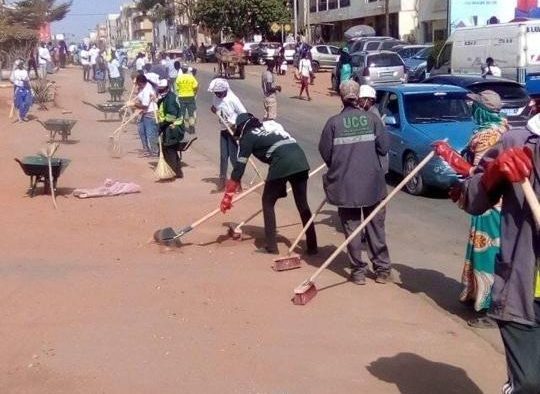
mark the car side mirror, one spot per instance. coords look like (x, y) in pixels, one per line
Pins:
(390, 120)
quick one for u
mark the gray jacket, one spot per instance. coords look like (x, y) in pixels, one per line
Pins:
(350, 145)
(515, 268)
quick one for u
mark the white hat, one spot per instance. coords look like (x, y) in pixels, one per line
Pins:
(163, 83)
(152, 77)
(367, 91)
(190, 70)
(218, 85)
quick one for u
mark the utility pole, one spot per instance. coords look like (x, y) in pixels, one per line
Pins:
(387, 16)
(295, 6)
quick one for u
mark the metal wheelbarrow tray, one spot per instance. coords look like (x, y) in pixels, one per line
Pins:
(36, 167)
(60, 126)
(116, 93)
(111, 107)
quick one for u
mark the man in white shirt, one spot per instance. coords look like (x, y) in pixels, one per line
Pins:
(140, 62)
(147, 127)
(44, 57)
(85, 63)
(94, 53)
(491, 69)
(228, 106)
(305, 70)
(115, 77)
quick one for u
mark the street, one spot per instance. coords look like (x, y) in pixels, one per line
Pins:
(91, 305)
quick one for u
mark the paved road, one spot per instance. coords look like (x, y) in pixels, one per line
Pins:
(426, 235)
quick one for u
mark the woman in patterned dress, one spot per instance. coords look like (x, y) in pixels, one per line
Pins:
(484, 235)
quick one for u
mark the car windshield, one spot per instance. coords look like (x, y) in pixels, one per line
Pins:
(507, 91)
(385, 60)
(423, 54)
(436, 107)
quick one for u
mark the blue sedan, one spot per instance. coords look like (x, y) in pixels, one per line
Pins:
(415, 116)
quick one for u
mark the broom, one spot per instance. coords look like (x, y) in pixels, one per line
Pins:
(49, 153)
(114, 139)
(163, 170)
(291, 261)
(307, 290)
(235, 232)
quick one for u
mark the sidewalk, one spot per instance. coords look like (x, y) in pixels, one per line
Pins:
(90, 305)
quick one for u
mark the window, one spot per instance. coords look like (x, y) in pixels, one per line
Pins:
(391, 107)
(389, 45)
(372, 46)
(334, 50)
(344, 3)
(312, 5)
(322, 49)
(323, 5)
(332, 4)
(436, 107)
(385, 60)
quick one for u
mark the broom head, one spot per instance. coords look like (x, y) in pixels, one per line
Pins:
(286, 263)
(235, 232)
(114, 146)
(304, 293)
(165, 235)
(163, 170)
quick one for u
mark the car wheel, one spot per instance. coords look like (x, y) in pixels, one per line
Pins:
(316, 67)
(416, 185)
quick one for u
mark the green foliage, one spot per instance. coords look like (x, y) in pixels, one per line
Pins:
(43, 92)
(147, 5)
(33, 14)
(241, 18)
(437, 46)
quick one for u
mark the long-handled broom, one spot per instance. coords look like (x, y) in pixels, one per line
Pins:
(235, 232)
(49, 153)
(307, 290)
(530, 196)
(114, 139)
(292, 261)
(163, 170)
(167, 235)
(236, 142)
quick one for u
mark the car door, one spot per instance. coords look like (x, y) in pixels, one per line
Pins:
(334, 55)
(322, 55)
(390, 109)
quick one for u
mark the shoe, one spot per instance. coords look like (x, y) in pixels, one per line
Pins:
(382, 277)
(358, 278)
(180, 174)
(267, 250)
(482, 322)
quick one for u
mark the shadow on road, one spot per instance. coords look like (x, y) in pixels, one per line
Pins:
(413, 374)
(393, 179)
(444, 291)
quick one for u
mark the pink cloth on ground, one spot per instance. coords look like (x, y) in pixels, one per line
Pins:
(110, 188)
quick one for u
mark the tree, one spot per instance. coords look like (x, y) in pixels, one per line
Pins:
(32, 14)
(241, 18)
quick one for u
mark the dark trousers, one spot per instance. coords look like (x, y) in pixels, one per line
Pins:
(173, 158)
(522, 347)
(276, 189)
(86, 72)
(228, 150)
(94, 68)
(375, 237)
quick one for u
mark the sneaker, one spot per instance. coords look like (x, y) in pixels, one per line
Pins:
(358, 278)
(382, 277)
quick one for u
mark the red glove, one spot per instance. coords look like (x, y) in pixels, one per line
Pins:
(454, 160)
(230, 188)
(513, 165)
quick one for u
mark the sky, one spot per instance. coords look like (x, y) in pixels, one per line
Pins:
(85, 15)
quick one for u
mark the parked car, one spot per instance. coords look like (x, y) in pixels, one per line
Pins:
(381, 45)
(264, 51)
(379, 68)
(358, 45)
(290, 50)
(416, 115)
(408, 51)
(324, 56)
(416, 66)
(248, 47)
(517, 105)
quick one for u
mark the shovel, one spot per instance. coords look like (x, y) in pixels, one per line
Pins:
(49, 153)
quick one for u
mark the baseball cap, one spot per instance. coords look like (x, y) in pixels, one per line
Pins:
(367, 91)
(488, 98)
(218, 85)
(349, 90)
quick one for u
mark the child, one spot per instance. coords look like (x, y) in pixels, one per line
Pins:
(283, 68)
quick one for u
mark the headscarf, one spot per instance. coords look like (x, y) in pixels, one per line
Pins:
(485, 118)
(491, 127)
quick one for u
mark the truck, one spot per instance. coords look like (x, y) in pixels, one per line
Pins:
(515, 47)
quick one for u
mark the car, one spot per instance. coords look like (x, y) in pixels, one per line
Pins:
(415, 116)
(290, 50)
(517, 105)
(324, 56)
(248, 47)
(264, 51)
(358, 45)
(408, 51)
(379, 68)
(416, 66)
(382, 45)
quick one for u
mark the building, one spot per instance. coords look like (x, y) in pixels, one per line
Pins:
(112, 31)
(133, 25)
(410, 20)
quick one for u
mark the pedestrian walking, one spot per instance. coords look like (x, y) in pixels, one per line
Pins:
(62, 53)
(22, 94)
(100, 76)
(269, 89)
(515, 294)
(485, 230)
(85, 62)
(305, 70)
(271, 144)
(351, 144)
(44, 58)
(140, 61)
(94, 53)
(186, 89)
(147, 126)
(228, 106)
(31, 63)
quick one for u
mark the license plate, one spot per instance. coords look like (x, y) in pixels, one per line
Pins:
(511, 111)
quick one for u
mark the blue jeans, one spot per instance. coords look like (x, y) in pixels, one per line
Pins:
(148, 132)
(228, 150)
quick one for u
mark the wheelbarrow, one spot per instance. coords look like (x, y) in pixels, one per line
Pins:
(116, 93)
(109, 107)
(58, 126)
(37, 168)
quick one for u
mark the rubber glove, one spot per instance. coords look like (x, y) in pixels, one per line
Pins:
(513, 165)
(230, 188)
(454, 160)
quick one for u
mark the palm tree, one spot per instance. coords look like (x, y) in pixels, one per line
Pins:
(35, 13)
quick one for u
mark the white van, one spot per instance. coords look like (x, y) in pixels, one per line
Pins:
(515, 47)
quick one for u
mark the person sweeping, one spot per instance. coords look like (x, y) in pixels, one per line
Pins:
(271, 144)
(22, 93)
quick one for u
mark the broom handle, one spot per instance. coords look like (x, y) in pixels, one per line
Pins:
(370, 217)
(315, 171)
(304, 230)
(124, 124)
(532, 200)
(232, 135)
(129, 98)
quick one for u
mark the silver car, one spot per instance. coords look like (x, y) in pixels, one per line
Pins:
(324, 56)
(378, 68)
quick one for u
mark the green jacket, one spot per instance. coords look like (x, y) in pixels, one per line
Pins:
(171, 122)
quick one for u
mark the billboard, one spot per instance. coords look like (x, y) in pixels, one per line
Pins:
(528, 9)
(462, 13)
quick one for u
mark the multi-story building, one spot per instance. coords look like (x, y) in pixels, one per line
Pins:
(133, 25)
(413, 20)
(112, 31)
